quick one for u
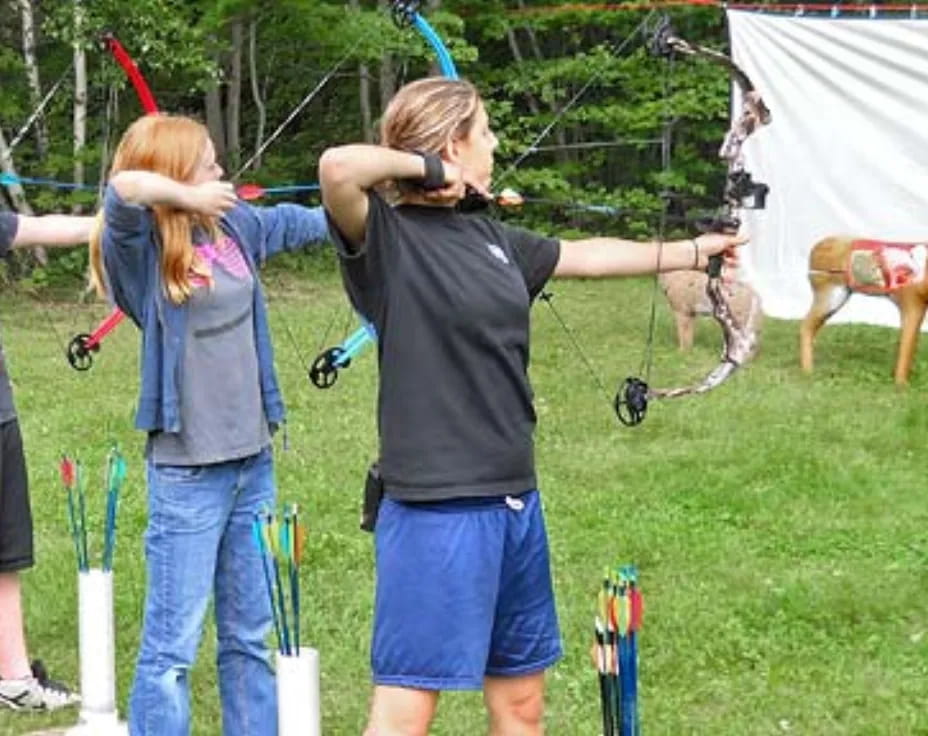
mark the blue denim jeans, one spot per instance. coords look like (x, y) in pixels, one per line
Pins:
(199, 542)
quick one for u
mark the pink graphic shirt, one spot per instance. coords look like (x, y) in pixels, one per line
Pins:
(224, 253)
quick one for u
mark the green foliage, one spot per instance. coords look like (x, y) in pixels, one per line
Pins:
(584, 73)
(167, 34)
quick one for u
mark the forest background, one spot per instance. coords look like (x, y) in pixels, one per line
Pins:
(243, 68)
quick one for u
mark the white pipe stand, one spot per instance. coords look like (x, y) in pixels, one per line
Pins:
(97, 634)
(298, 711)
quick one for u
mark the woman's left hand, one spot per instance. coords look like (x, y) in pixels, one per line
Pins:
(714, 243)
(726, 244)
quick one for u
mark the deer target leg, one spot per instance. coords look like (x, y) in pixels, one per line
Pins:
(686, 329)
(827, 298)
(912, 311)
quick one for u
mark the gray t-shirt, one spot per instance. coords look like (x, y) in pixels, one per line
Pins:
(9, 223)
(222, 417)
(450, 296)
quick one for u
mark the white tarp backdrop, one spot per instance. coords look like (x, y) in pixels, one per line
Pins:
(846, 152)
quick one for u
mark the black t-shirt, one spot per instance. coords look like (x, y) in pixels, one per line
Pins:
(450, 295)
(9, 223)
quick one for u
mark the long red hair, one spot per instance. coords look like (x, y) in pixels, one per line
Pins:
(173, 146)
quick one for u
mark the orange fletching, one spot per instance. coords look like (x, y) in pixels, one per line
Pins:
(637, 609)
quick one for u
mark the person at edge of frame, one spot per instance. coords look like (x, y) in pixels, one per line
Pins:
(24, 685)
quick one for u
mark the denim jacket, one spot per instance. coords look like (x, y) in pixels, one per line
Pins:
(132, 263)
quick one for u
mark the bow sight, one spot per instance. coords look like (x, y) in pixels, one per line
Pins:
(752, 195)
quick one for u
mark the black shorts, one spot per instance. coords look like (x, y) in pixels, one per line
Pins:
(15, 513)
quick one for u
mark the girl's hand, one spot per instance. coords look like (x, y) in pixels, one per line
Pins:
(212, 198)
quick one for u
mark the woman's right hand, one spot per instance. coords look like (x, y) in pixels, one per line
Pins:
(458, 180)
(212, 198)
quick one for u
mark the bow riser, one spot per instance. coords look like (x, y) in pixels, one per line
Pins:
(740, 192)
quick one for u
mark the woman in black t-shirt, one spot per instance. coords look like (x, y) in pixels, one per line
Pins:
(464, 598)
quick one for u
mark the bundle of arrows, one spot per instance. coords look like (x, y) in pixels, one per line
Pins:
(618, 618)
(280, 543)
(74, 479)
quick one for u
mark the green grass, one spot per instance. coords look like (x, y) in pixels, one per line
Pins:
(780, 523)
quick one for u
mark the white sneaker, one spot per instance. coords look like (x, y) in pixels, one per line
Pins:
(37, 692)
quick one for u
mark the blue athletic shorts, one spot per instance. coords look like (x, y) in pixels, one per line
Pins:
(463, 591)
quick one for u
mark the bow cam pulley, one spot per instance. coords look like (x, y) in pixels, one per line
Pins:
(403, 11)
(662, 37)
(79, 355)
(631, 401)
(323, 373)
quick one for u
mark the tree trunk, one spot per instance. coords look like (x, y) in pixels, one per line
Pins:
(32, 74)
(560, 155)
(256, 95)
(387, 80)
(517, 55)
(364, 100)
(364, 93)
(214, 119)
(80, 100)
(387, 69)
(234, 97)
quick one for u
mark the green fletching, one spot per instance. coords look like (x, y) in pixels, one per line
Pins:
(266, 534)
(284, 538)
(274, 534)
(116, 470)
(258, 536)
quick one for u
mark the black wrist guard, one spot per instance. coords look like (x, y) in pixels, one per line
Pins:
(434, 172)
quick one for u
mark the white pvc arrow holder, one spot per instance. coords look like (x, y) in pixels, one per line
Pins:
(97, 642)
(298, 711)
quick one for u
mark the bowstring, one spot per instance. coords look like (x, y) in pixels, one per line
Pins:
(647, 361)
(300, 106)
(35, 114)
(44, 309)
(546, 296)
(294, 112)
(110, 107)
(301, 357)
(297, 109)
(532, 147)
